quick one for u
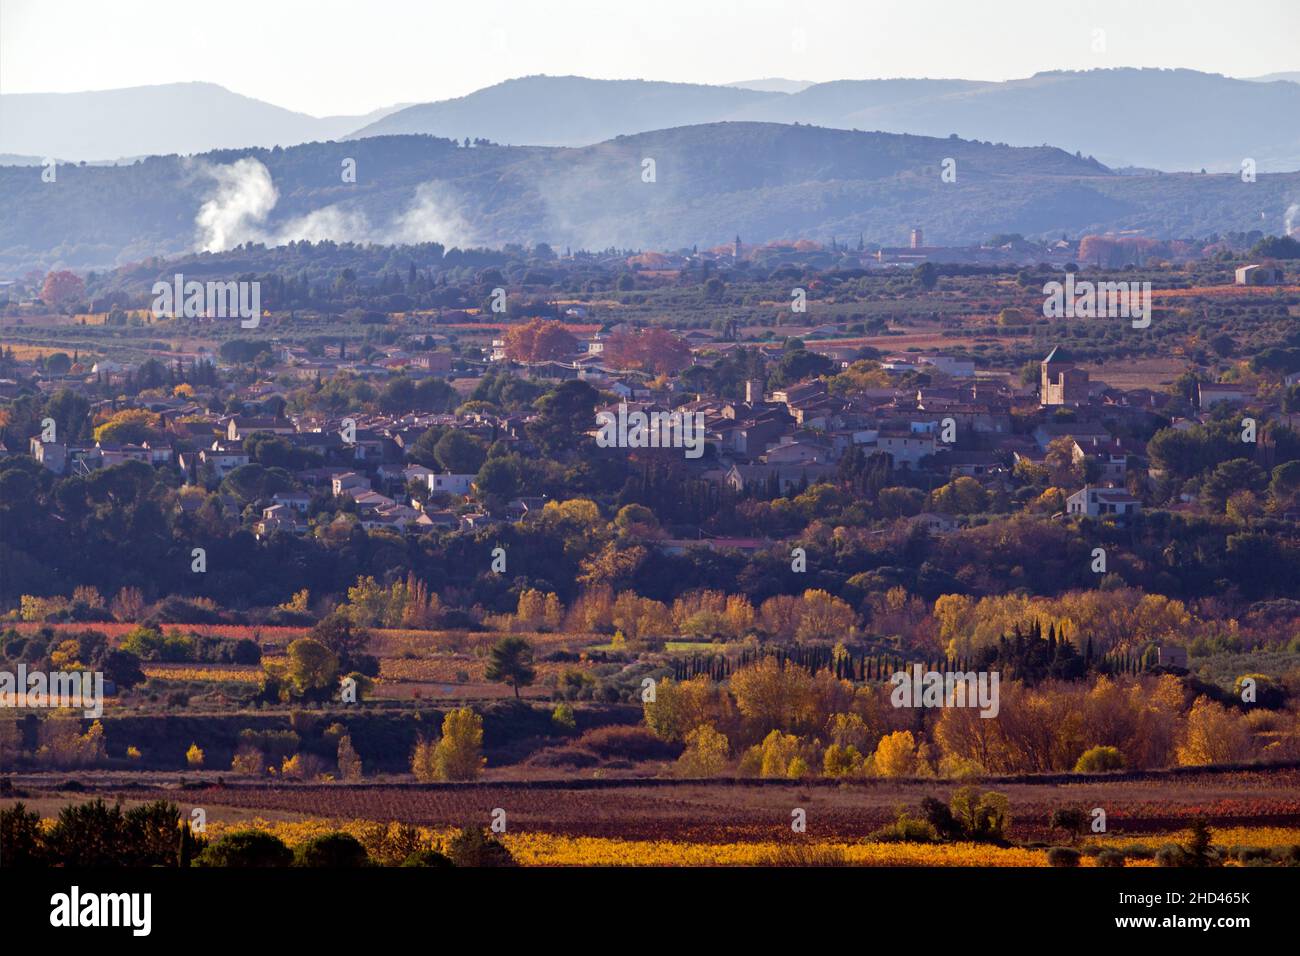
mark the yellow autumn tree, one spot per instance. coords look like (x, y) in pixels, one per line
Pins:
(705, 755)
(1213, 734)
(824, 617)
(349, 760)
(553, 611)
(899, 755)
(779, 755)
(531, 609)
(639, 618)
(679, 707)
(458, 755)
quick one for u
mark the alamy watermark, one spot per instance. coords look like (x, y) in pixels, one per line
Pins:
(651, 430)
(56, 690)
(921, 688)
(130, 910)
(211, 300)
(1098, 300)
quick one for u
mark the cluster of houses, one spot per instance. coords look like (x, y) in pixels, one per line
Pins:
(778, 440)
(791, 437)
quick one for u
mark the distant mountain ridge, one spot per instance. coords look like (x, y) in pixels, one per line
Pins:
(156, 120)
(705, 184)
(1124, 117)
(773, 84)
(1171, 120)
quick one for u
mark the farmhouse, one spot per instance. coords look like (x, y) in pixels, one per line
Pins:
(1102, 502)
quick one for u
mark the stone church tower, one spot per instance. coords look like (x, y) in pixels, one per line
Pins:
(1062, 383)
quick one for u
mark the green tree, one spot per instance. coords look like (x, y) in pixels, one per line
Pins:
(511, 662)
(246, 848)
(564, 416)
(21, 837)
(460, 453)
(313, 667)
(1239, 474)
(331, 850)
(471, 846)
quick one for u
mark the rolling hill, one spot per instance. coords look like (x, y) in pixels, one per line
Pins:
(765, 181)
(1163, 119)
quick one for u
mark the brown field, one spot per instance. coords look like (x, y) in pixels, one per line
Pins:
(721, 811)
(1225, 291)
(1152, 373)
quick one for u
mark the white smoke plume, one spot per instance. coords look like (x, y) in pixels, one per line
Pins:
(244, 197)
(234, 214)
(432, 217)
(1289, 220)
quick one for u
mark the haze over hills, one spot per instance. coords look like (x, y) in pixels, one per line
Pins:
(773, 84)
(1291, 77)
(568, 110)
(765, 181)
(1123, 117)
(1158, 119)
(156, 120)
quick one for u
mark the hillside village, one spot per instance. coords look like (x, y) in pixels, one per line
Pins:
(774, 442)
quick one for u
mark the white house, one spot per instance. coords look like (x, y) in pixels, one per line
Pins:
(906, 448)
(1208, 393)
(1102, 502)
(349, 481)
(451, 484)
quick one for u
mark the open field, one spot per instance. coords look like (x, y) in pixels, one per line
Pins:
(1155, 373)
(725, 822)
(732, 810)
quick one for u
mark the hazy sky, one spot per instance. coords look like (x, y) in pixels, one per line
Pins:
(328, 56)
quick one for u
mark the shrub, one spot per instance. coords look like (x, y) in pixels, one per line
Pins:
(430, 858)
(563, 719)
(626, 743)
(1286, 855)
(471, 846)
(941, 820)
(1062, 856)
(982, 816)
(1269, 693)
(302, 766)
(1070, 819)
(246, 848)
(842, 761)
(390, 844)
(906, 829)
(248, 761)
(1110, 857)
(1171, 854)
(332, 850)
(1099, 760)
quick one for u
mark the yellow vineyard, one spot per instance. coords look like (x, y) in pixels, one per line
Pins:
(544, 849)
